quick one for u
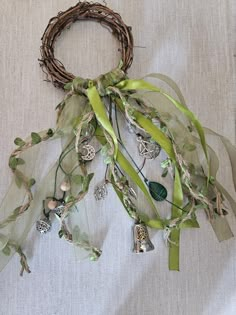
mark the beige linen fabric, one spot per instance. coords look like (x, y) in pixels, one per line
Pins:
(194, 43)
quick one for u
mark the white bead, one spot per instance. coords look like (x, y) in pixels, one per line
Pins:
(52, 204)
(65, 186)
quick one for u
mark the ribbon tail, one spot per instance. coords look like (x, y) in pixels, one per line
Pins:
(230, 149)
(174, 238)
(101, 114)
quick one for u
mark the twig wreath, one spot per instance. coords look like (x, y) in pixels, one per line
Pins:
(87, 125)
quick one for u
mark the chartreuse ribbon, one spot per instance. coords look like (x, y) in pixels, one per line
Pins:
(174, 237)
(100, 112)
(166, 145)
(127, 85)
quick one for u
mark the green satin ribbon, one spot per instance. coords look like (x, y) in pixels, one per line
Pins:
(131, 172)
(174, 243)
(127, 85)
(101, 115)
(156, 134)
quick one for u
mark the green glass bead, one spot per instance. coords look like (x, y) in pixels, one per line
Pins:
(157, 191)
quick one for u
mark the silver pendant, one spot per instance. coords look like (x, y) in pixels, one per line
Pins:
(43, 225)
(87, 131)
(142, 242)
(87, 152)
(58, 211)
(147, 148)
(100, 192)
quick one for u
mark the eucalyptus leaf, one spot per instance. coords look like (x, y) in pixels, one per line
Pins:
(35, 138)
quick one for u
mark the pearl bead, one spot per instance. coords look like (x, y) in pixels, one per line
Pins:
(52, 204)
(65, 186)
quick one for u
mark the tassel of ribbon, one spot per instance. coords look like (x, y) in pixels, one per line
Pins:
(193, 162)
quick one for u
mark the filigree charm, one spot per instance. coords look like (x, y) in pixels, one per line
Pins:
(87, 152)
(58, 211)
(100, 192)
(43, 225)
(142, 242)
(147, 148)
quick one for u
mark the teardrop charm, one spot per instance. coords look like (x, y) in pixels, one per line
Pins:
(157, 191)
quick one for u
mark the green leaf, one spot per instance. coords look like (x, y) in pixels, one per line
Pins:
(18, 181)
(69, 199)
(68, 86)
(189, 147)
(6, 250)
(77, 179)
(108, 160)
(19, 142)
(60, 233)
(165, 172)
(20, 161)
(50, 132)
(87, 181)
(31, 183)
(35, 138)
(13, 162)
(157, 191)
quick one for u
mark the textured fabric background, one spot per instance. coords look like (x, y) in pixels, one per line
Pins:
(194, 43)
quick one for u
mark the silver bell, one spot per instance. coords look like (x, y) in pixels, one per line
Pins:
(43, 225)
(142, 241)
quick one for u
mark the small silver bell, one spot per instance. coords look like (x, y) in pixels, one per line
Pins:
(43, 225)
(142, 241)
(58, 211)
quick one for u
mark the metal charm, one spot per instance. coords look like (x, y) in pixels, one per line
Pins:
(100, 192)
(87, 131)
(147, 148)
(142, 241)
(43, 225)
(87, 152)
(59, 210)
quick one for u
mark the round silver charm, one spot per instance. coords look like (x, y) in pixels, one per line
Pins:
(43, 225)
(147, 148)
(58, 211)
(88, 131)
(87, 152)
(100, 192)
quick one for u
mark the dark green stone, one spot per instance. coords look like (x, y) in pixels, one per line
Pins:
(157, 191)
